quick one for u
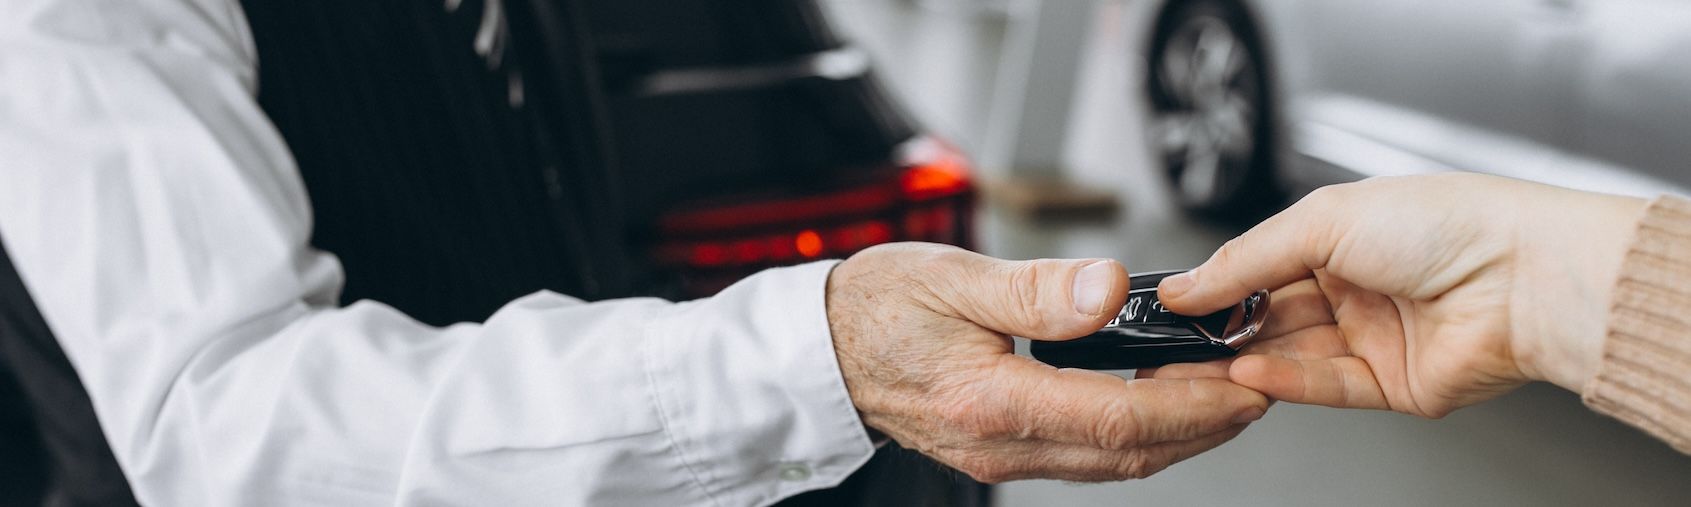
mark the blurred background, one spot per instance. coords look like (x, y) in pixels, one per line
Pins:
(746, 134)
(1197, 116)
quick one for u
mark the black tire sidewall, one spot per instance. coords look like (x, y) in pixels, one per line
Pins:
(1256, 192)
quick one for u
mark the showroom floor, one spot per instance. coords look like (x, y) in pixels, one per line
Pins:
(1538, 446)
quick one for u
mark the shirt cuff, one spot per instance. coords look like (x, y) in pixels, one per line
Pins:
(1642, 380)
(751, 393)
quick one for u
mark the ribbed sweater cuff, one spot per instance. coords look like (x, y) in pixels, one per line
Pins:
(1645, 377)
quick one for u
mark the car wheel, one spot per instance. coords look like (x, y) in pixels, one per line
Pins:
(1211, 122)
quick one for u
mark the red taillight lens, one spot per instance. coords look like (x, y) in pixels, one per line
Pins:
(809, 244)
(708, 254)
(933, 170)
(929, 198)
(713, 220)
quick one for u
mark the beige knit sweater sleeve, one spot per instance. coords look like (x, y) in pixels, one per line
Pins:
(1645, 378)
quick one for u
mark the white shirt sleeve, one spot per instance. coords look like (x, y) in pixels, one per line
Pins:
(159, 222)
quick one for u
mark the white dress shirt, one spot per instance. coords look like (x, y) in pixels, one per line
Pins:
(161, 226)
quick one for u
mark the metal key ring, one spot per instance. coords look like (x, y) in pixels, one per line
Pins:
(1256, 315)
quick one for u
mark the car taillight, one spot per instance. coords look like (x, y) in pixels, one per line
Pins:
(928, 197)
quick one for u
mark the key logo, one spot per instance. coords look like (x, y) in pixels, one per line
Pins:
(1131, 311)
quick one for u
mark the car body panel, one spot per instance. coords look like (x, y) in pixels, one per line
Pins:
(1578, 93)
(1635, 91)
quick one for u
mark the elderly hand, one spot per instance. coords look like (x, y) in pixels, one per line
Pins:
(922, 334)
(1420, 294)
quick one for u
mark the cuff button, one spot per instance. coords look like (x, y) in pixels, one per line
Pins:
(794, 472)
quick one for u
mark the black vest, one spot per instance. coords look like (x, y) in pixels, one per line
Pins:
(448, 183)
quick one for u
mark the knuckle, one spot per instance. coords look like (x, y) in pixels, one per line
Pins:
(1225, 259)
(1118, 429)
(1322, 202)
(1205, 392)
(1139, 466)
(1024, 295)
(932, 273)
(908, 256)
(992, 476)
(1329, 195)
(983, 469)
(973, 418)
(927, 258)
(1224, 255)
(976, 430)
(882, 254)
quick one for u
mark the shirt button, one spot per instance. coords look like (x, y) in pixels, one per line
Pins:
(794, 472)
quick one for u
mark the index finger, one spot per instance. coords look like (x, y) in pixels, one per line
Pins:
(1108, 412)
(1286, 248)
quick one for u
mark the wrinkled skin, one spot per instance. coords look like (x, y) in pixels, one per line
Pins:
(922, 335)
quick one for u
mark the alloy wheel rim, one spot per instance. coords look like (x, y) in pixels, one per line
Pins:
(1203, 127)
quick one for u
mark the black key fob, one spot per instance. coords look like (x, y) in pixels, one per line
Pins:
(1146, 335)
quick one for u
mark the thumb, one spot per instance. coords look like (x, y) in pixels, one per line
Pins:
(1286, 248)
(1045, 299)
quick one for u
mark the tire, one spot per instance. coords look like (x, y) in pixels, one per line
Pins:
(1212, 123)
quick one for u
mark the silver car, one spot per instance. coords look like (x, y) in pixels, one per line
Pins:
(1249, 99)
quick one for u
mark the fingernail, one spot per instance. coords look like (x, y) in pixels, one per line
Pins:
(1092, 287)
(1174, 286)
(1250, 414)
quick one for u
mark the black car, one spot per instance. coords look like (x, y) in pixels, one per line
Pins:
(750, 134)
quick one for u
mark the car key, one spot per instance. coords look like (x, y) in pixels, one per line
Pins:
(1146, 335)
